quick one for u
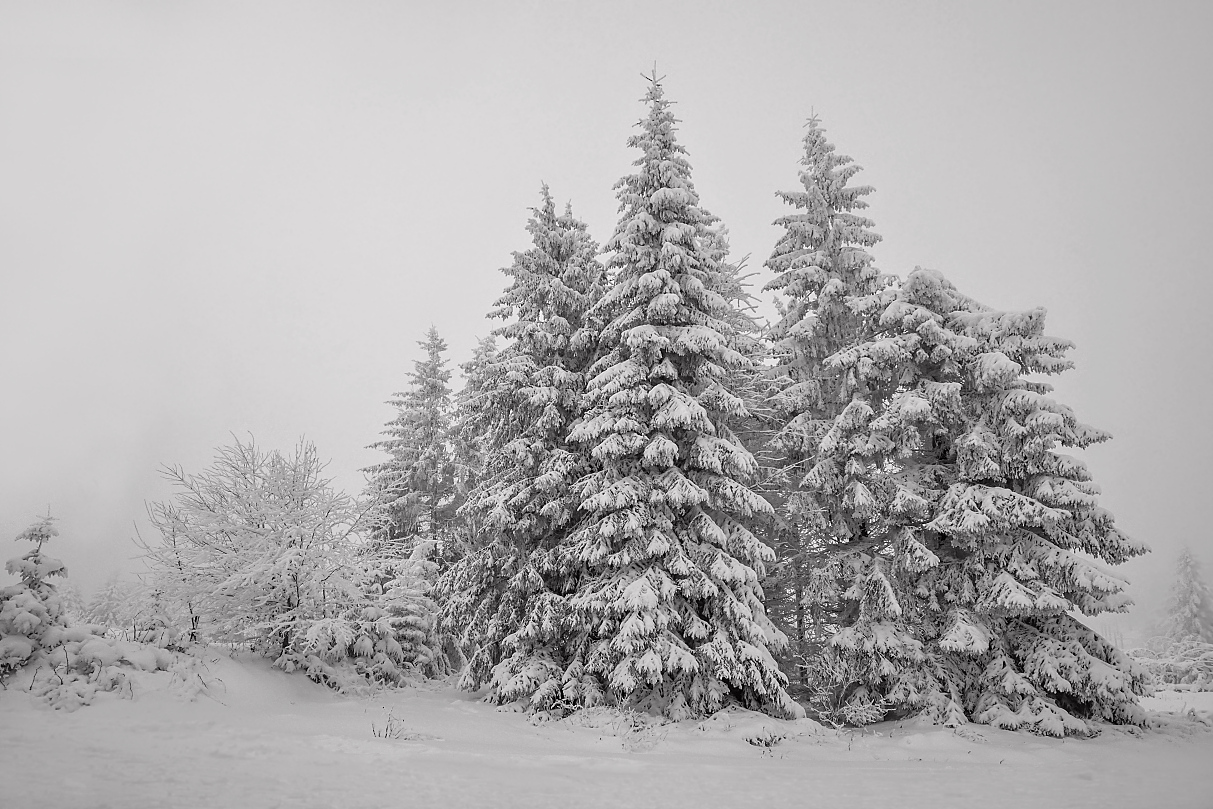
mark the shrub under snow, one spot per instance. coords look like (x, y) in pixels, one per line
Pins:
(261, 550)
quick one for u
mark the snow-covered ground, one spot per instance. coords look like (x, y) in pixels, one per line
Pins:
(268, 739)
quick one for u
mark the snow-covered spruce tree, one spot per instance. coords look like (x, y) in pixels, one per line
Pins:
(114, 605)
(973, 538)
(31, 606)
(241, 544)
(508, 598)
(415, 496)
(757, 384)
(821, 266)
(1190, 606)
(878, 467)
(669, 568)
(72, 602)
(414, 489)
(397, 628)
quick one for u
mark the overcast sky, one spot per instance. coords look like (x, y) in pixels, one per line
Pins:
(223, 218)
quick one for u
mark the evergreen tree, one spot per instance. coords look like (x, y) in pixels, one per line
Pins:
(113, 605)
(508, 598)
(398, 626)
(31, 607)
(415, 496)
(71, 601)
(821, 267)
(1190, 607)
(668, 567)
(970, 534)
(415, 488)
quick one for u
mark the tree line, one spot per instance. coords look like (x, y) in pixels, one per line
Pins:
(644, 496)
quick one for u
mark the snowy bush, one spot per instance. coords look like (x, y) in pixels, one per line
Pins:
(838, 693)
(254, 549)
(261, 550)
(138, 611)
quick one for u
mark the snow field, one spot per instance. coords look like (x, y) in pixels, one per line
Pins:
(267, 739)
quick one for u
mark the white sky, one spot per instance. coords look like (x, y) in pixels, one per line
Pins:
(239, 218)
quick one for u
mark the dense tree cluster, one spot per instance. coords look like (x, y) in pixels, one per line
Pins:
(644, 497)
(869, 498)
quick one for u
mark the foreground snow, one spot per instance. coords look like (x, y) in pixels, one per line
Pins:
(267, 739)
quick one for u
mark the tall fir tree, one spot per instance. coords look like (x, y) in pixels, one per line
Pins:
(972, 535)
(1189, 610)
(509, 597)
(821, 265)
(669, 569)
(414, 489)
